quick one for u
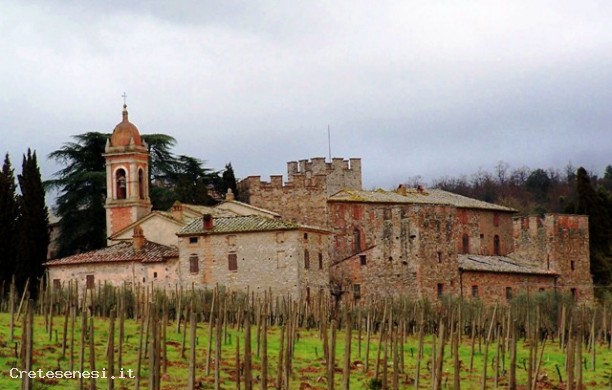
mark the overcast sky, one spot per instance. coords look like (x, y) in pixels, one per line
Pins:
(426, 88)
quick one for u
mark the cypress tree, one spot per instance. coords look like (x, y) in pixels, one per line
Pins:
(33, 223)
(593, 204)
(229, 179)
(9, 211)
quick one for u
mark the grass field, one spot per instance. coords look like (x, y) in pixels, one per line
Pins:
(308, 372)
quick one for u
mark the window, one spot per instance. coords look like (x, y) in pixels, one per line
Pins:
(356, 291)
(232, 262)
(90, 282)
(194, 264)
(465, 243)
(193, 240)
(474, 291)
(362, 259)
(320, 260)
(154, 275)
(141, 184)
(306, 259)
(572, 265)
(57, 284)
(356, 240)
(440, 289)
(308, 294)
(495, 219)
(508, 293)
(574, 293)
(305, 236)
(496, 251)
(439, 256)
(390, 258)
(120, 184)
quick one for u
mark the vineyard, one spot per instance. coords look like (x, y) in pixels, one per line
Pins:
(216, 339)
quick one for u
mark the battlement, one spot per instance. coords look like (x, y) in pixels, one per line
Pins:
(318, 166)
(551, 224)
(300, 180)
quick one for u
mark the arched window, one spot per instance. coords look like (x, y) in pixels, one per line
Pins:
(120, 184)
(496, 245)
(357, 240)
(465, 243)
(141, 193)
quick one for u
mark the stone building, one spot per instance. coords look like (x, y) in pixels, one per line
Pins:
(427, 243)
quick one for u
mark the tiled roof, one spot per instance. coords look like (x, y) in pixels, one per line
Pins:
(428, 196)
(245, 223)
(124, 251)
(214, 211)
(501, 264)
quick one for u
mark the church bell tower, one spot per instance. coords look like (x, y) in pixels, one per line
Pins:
(127, 173)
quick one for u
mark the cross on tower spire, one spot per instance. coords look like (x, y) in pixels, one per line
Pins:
(124, 96)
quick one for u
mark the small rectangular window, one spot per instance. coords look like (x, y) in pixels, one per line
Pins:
(232, 262)
(320, 260)
(474, 291)
(508, 293)
(231, 240)
(154, 275)
(90, 282)
(574, 293)
(194, 264)
(440, 289)
(57, 284)
(356, 291)
(572, 265)
(193, 240)
(305, 236)
(362, 259)
(439, 255)
(306, 259)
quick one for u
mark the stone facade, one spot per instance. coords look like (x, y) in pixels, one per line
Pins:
(285, 259)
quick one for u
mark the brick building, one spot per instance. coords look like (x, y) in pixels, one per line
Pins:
(427, 243)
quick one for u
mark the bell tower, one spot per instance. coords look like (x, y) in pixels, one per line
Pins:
(127, 172)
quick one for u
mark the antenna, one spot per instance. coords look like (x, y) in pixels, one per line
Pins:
(329, 142)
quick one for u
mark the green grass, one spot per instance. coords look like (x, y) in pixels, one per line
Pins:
(308, 363)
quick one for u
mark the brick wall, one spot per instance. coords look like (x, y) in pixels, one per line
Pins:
(493, 287)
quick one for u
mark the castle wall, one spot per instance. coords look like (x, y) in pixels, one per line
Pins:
(482, 226)
(409, 249)
(561, 244)
(303, 198)
(494, 288)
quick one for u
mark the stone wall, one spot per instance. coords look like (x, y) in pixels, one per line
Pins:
(490, 287)
(265, 261)
(408, 249)
(481, 227)
(303, 198)
(162, 274)
(561, 243)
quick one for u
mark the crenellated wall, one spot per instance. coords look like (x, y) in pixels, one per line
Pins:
(303, 198)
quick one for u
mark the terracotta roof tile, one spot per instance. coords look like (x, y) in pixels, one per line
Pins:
(238, 224)
(124, 251)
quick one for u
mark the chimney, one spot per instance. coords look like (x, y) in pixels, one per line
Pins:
(229, 196)
(401, 189)
(208, 222)
(177, 211)
(138, 239)
(420, 189)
